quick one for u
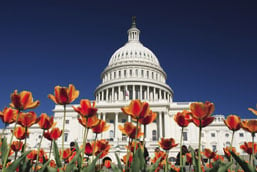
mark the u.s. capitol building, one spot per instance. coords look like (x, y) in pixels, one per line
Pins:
(134, 72)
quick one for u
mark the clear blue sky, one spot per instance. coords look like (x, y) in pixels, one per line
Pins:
(207, 48)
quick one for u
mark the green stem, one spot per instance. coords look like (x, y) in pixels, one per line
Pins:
(128, 153)
(63, 127)
(94, 147)
(135, 139)
(84, 144)
(25, 141)
(180, 157)
(38, 150)
(166, 166)
(15, 155)
(199, 147)
(144, 146)
(231, 145)
(50, 149)
(8, 149)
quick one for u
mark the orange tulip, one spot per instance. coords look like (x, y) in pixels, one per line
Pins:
(201, 110)
(189, 158)
(45, 122)
(107, 164)
(23, 100)
(130, 130)
(64, 95)
(253, 111)
(52, 164)
(218, 157)
(66, 153)
(27, 119)
(227, 151)
(88, 122)
(247, 147)
(233, 122)
(86, 109)
(102, 146)
(88, 149)
(149, 118)
(167, 144)
(209, 154)
(54, 134)
(204, 122)
(158, 155)
(16, 146)
(250, 125)
(183, 118)
(20, 133)
(8, 115)
(130, 159)
(100, 127)
(134, 145)
(32, 155)
(136, 109)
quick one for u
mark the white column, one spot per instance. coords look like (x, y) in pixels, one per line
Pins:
(119, 93)
(160, 124)
(129, 118)
(116, 127)
(126, 91)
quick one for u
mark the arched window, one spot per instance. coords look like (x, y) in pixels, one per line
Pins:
(154, 135)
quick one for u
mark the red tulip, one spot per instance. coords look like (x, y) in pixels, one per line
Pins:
(136, 109)
(102, 146)
(201, 110)
(54, 134)
(88, 149)
(8, 115)
(167, 144)
(100, 127)
(45, 122)
(204, 122)
(209, 154)
(183, 118)
(253, 111)
(86, 109)
(20, 133)
(27, 119)
(23, 100)
(233, 122)
(250, 125)
(247, 147)
(88, 122)
(149, 118)
(130, 130)
(64, 95)
(16, 146)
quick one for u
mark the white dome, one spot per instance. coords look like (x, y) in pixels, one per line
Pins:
(133, 51)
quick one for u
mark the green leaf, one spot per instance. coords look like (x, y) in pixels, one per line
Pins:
(72, 164)
(16, 163)
(26, 165)
(141, 158)
(51, 169)
(154, 166)
(115, 168)
(57, 155)
(244, 165)
(136, 163)
(44, 167)
(224, 166)
(118, 160)
(194, 160)
(4, 148)
(91, 166)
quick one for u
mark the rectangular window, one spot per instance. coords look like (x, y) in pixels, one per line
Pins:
(241, 134)
(212, 134)
(65, 137)
(67, 121)
(214, 148)
(124, 137)
(185, 136)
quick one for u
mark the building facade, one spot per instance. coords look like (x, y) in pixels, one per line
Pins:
(134, 72)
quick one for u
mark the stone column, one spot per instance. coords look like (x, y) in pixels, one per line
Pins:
(119, 93)
(129, 118)
(140, 92)
(103, 133)
(160, 124)
(126, 92)
(116, 126)
(113, 98)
